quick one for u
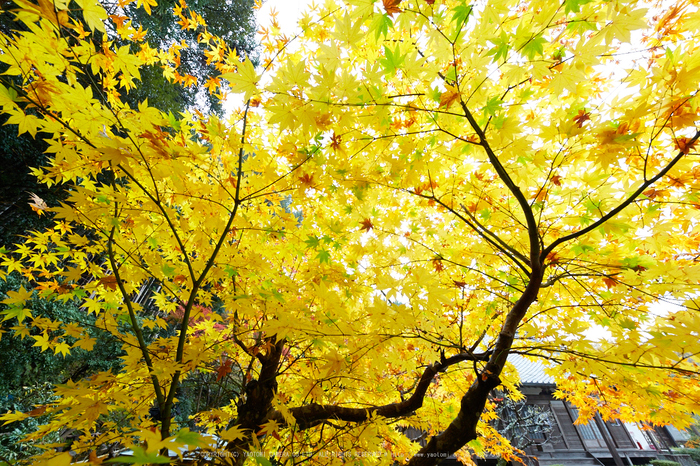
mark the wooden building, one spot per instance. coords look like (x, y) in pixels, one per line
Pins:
(565, 443)
(543, 427)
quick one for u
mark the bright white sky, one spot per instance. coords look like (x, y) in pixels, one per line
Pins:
(289, 12)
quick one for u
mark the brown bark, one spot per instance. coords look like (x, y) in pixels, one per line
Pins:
(257, 407)
(463, 428)
(313, 414)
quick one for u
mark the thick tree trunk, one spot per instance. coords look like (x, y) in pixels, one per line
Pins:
(462, 430)
(257, 408)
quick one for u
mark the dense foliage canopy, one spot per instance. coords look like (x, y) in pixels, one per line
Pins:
(410, 192)
(28, 372)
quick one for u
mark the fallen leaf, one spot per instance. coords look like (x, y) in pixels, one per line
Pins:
(38, 205)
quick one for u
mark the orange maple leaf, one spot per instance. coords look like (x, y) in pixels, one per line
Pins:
(307, 180)
(212, 84)
(654, 193)
(110, 281)
(37, 411)
(685, 145)
(438, 265)
(391, 6)
(581, 117)
(450, 96)
(556, 180)
(255, 101)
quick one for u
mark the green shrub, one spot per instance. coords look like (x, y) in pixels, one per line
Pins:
(692, 452)
(664, 463)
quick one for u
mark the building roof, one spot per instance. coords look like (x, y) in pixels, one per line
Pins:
(531, 370)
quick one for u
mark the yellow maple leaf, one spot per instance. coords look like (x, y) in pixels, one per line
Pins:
(244, 80)
(17, 297)
(269, 428)
(232, 434)
(94, 14)
(147, 4)
(450, 96)
(42, 341)
(13, 416)
(86, 343)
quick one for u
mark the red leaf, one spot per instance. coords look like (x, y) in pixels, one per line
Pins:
(307, 180)
(430, 2)
(438, 265)
(552, 258)
(110, 281)
(366, 225)
(685, 145)
(610, 282)
(335, 141)
(581, 117)
(223, 370)
(391, 6)
(459, 284)
(37, 411)
(556, 180)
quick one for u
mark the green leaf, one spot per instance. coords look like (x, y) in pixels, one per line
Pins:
(574, 5)
(381, 25)
(262, 461)
(324, 256)
(20, 312)
(168, 270)
(581, 26)
(174, 123)
(477, 446)
(492, 106)
(312, 241)
(534, 46)
(583, 249)
(628, 324)
(461, 15)
(393, 59)
(7, 94)
(140, 456)
(500, 47)
(187, 437)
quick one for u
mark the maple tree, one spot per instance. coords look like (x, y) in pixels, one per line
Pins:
(411, 191)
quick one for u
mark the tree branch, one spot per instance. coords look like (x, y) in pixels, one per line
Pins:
(308, 416)
(620, 207)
